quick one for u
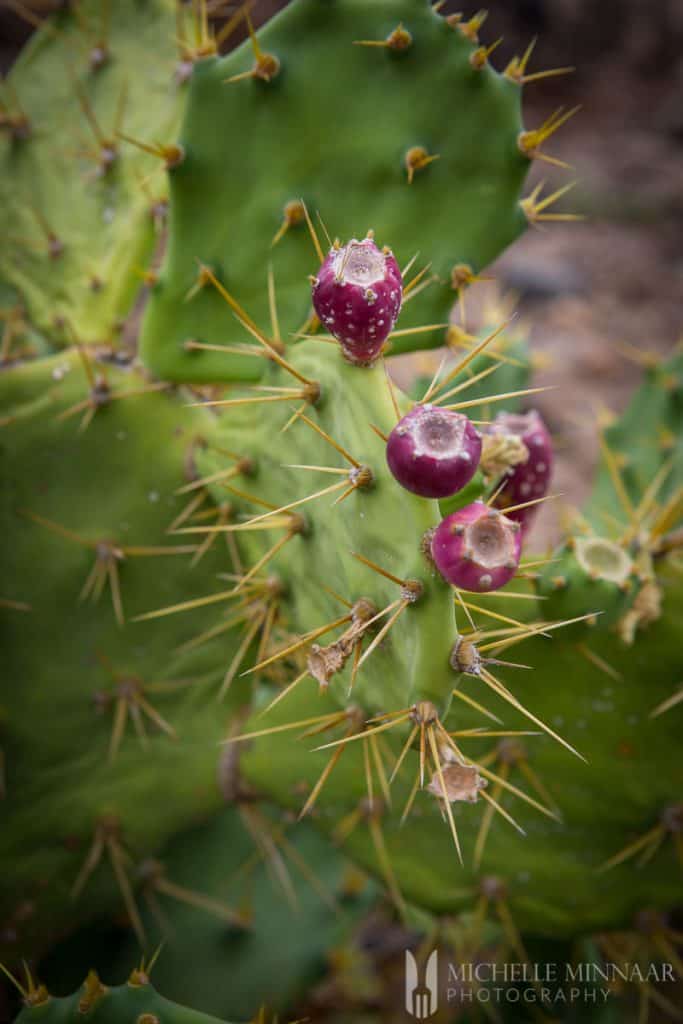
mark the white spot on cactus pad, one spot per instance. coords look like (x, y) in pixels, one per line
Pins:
(603, 558)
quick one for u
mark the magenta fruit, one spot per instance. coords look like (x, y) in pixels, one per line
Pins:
(357, 295)
(530, 479)
(433, 452)
(477, 548)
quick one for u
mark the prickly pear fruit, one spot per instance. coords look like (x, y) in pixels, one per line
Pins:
(477, 548)
(528, 480)
(357, 295)
(433, 452)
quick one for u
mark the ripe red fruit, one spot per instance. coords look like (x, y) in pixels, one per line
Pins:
(477, 548)
(433, 452)
(357, 295)
(531, 479)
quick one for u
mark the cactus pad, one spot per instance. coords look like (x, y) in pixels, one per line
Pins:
(81, 207)
(334, 127)
(86, 679)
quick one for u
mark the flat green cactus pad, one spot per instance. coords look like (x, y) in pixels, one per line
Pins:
(597, 693)
(644, 443)
(635, 504)
(380, 522)
(553, 878)
(296, 901)
(78, 203)
(137, 1001)
(333, 128)
(86, 513)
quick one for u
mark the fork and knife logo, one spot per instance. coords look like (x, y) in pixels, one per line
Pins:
(422, 997)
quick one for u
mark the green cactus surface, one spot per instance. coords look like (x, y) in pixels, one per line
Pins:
(586, 685)
(81, 206)
(219, 609)
(608, 723)
(87, 512)
(376, 521)
(135, 1001)
(333, 127)
(298, 909)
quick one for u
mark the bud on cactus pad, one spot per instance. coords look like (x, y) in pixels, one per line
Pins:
(527, 480)
(433, 452)
(357, 295)
(477, 548)
(591, 573)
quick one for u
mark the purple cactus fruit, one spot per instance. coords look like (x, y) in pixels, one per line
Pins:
(477, 548)
(530, 479)
(357, 295)
(433, 452)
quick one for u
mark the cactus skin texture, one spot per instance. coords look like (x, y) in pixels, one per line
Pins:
(329, 623)
(70, 667)
(599, 693)
(362, 134)
(78, 226)
(325, 535)
(137, 1001)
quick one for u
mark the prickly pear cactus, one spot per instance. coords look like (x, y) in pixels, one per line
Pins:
(606, 720)
(100, 714)
(136, 1000)
(203, 583)
(276, 959)
(83, 207)
(629, 524)
(379, 152)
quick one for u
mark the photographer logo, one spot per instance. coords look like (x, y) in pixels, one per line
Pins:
(422, 998)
